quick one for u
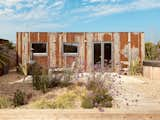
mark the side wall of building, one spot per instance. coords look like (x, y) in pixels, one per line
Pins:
(126, 46)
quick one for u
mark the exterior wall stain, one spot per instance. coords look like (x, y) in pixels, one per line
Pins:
(126, 46)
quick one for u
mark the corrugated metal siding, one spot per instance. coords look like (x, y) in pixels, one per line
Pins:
(42, 60)
(123, 48)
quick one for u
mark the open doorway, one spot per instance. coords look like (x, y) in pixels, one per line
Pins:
(102, 56)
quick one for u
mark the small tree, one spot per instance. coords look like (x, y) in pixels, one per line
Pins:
(158, 49)
(151, 51)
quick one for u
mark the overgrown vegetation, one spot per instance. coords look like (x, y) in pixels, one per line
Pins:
(98, 95)
(40, 77)
(135, 67)
(92, 94)
(19, 98)
(5, 102)
(87, 102)
(151, 51)
(69, 99)
(42, 80)
(43, 104)
(66, 100)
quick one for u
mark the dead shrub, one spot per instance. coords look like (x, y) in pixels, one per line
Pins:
(99, 92)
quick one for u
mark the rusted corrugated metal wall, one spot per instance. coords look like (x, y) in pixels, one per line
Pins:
(126, 46)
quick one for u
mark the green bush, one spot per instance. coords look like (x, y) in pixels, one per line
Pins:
(35, 71)
(41, 82)
(151, 51)
(44, 83)
(87, 102)
(103, 100)
(66, 100)
(40, 77)
(19, 98)
(5, 102)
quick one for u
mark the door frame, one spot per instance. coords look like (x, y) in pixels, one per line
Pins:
(102, 53)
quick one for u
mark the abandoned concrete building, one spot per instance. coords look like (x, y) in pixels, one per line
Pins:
(107, 51)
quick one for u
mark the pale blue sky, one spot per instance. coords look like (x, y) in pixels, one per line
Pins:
(80, 16)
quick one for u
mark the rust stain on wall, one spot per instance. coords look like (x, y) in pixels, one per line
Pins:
(57, 50)
(107, 37)
(34, 36)
(42, 60)
(134, 40)
(140, 47)
(123, 46)
(55, 57)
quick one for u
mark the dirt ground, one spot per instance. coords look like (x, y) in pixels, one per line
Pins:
(8, 89)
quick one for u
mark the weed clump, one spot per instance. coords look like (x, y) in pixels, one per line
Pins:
(5, 102)
(19, 98)
(135, 68)
(66, 100)
(99, 96)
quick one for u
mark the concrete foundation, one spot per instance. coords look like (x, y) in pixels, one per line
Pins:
(151, 70)
(109, 114)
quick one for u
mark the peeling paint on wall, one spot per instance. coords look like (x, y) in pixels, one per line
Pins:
(125, 51)
(134, 53)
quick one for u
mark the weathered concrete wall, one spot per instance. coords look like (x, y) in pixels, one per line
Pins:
(152, 73)
(78, 115)
(126, 46)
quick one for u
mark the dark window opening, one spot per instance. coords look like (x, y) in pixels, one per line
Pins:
(39, 47)
(97, 53)
(107, 57)
(107, 53)
(70, 48)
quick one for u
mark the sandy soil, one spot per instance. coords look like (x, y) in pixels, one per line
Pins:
(137, 92)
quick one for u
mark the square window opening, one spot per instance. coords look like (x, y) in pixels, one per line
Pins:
(70, 48)
(39, 48)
